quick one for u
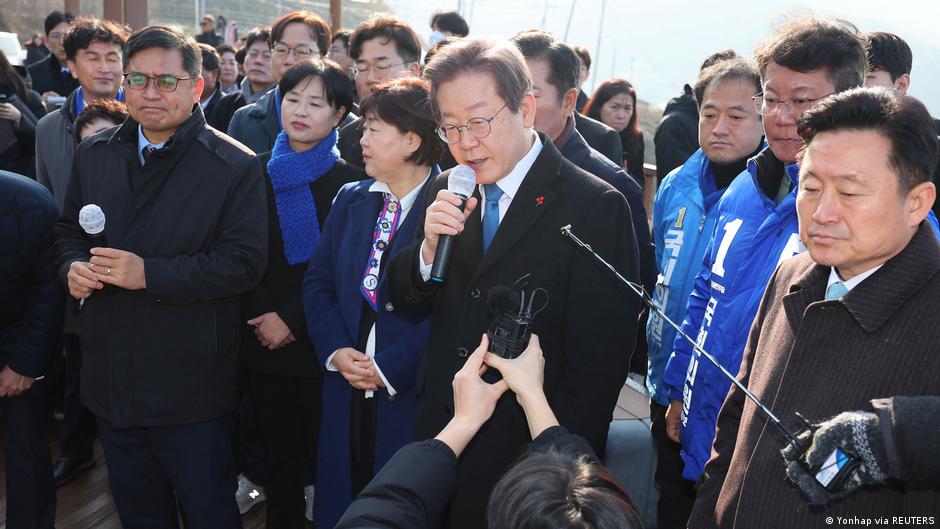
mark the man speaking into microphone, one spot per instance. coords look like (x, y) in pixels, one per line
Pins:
(526, 191)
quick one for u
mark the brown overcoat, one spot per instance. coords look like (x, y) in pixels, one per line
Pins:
(821, 358)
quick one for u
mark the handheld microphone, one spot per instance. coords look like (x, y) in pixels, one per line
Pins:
(840, 465)
(92, 220)
(460, 182)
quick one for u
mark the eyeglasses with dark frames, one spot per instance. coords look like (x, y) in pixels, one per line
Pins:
(477, 127)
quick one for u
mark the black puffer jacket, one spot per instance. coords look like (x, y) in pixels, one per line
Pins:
(196, 214)
(677, 134)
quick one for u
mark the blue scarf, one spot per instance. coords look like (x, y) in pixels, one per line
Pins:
(291, 175)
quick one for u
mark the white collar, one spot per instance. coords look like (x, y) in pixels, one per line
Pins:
(510, 183)
(406, 201)
(851, 283)
(205, 103)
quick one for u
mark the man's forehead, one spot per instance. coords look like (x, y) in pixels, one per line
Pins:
(157, 61)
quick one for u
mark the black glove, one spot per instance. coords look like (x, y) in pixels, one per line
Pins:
(856, 432)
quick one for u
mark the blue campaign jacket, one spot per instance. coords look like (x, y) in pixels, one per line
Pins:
(333, 304)
(752, 236)
(682, 227)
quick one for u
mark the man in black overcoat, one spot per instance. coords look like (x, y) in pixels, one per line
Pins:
(186, 235)
(510, 228)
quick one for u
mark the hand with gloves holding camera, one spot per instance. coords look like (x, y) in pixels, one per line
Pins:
(899, 440)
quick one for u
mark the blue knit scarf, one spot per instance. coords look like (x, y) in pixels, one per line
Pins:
(291, 175)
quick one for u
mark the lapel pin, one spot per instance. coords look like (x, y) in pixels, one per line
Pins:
(539, 200)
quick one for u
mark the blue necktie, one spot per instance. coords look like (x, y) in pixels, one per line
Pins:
(836, 290)
(491, 214)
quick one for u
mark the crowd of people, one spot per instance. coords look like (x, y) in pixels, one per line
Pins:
(227, 263)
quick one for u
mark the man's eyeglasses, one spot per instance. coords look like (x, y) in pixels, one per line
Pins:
(768, 106)
(300, 52)
(477, 127)
(163, 83)
(379, 68)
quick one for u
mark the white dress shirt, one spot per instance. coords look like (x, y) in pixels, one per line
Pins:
(405, 203)
(851, 283)
(510, 185)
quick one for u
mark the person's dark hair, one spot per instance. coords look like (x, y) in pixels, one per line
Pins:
(903, 120)
(388, 28)
(109, 109)
(604, 92)
(889, 52)
(811, 44)
(55, 18)
(726, 70)
(716, 57)
(556, 490)
(255, 35)
(10, 82)
(342, 35)
(500, 59)
(224, 48)
(583, 55)
(437, 47)
(319, 29)
(240, 55)
(85, 31)
(168, 38)
(563, 63)
(211, 60)
(406, 104)
(452, 22)
(336, 86)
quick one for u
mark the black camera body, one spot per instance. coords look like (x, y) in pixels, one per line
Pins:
(512, 314)
(509, 335)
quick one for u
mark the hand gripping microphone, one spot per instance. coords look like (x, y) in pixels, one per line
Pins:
(460, 182)
(831, 475)
(92, 220)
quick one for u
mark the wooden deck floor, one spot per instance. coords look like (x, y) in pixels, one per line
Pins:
(86, 502)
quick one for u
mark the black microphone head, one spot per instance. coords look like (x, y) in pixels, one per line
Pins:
(500, 300)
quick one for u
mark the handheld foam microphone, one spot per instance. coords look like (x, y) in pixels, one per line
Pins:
(92, 220)
(460, 182)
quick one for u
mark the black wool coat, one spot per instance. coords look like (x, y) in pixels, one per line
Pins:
(196, 214)
(281, 288)
(31, 310)
(587, 331)
(600, 137)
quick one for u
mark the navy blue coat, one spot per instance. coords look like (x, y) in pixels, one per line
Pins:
(333, 305)
(31, 308)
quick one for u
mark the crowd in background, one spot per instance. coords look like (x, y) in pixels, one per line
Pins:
(223, 261)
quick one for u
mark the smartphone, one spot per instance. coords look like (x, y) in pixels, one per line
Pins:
(56, 101)
(4, 98)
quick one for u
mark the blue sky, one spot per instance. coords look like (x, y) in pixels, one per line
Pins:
(658, 45)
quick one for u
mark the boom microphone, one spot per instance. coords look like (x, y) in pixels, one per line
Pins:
(460, 182)
(840, 465)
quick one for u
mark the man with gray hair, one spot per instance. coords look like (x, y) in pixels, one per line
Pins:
(482, 96)
(186, 235)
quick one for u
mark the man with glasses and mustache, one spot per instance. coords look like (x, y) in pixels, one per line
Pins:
(186, 235)
(756, 228)
(509, 230)
(295, 37)
(383, 47)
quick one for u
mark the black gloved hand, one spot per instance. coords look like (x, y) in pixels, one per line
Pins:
(857, 432)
